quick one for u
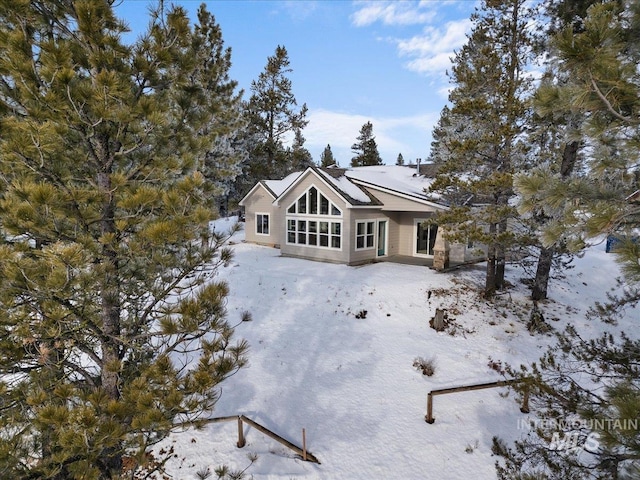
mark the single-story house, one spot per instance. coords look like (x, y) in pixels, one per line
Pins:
(352, 216)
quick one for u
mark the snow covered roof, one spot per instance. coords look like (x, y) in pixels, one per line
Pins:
(279, 186)
(352, 183)
(356, 195)
(399, 179)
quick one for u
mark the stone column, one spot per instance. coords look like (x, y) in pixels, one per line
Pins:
(441, 251)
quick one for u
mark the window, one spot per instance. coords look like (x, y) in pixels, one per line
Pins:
(365, 235)
(312, 202)
(311, 221)
(314, 234)
(302, 204)
(324, 205)
(262, 223)
(335, 235)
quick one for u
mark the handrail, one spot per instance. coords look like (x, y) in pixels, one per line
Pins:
(306, 455)
(467, 388)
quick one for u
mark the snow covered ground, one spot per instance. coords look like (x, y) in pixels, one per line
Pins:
(350, 382)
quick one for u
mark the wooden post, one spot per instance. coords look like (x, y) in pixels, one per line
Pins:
(304, 445)
(241, 442)
(525, 401)
(278, 438)
(429, 418)
(438, 320)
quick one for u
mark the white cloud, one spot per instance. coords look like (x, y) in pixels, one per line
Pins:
(392, 13)
(393, 135)
(429, 51)
(437, 40)
(433, 49)
(435, 65)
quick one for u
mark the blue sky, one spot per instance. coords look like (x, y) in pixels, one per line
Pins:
(353, 62)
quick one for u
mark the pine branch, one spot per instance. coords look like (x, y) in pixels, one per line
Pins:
(607, 104)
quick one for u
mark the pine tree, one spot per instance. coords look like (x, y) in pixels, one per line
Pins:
(300, 157)
(603, 89)
(106, 261)
(477, 143)
(592, 382)
(400, 159)
(326, 157)
(587, 390)
(558, 141)
(273, 114)
(224, 159)
(366, 148)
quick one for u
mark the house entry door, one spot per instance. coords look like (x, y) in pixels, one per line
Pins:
(382, 238)
(425, 238)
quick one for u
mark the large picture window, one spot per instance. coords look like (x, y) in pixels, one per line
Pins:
(314, 233)
(312, 222)
(312, 202)
(365, 235)
(262, 223)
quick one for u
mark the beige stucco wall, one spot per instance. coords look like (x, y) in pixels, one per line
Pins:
(407, 230)
(305, 251)
(398, 203)
(401, 215)
(368, 214)
(261, 201)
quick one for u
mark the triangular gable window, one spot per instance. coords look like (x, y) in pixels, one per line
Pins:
(312, 202)
(323, 231)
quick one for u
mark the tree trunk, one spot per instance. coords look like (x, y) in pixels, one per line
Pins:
(110, 296)
(545, 259)
(541, 282)
(501, 258)
(490, 279)
(54, 375)
(569, 157)
(438, 320)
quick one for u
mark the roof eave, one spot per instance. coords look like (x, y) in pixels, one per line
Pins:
(404, 195)
(259, 184)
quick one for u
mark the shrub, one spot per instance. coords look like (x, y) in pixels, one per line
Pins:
(426, 367)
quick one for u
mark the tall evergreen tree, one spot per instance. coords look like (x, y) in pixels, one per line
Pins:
(326, 157)
(228, 153)
(273, 114)
(595, 383)
(478, 144)
(112, 334)
(300, 157)
(366, 148)
(400, 159)
(603, 89)
(557, 138)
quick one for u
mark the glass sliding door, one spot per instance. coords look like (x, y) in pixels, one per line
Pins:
(425, 238)
(382, 238)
